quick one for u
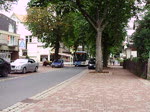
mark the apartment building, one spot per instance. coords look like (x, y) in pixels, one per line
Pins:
(8, 39)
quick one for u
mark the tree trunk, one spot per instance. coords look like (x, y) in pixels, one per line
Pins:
(105, 58)
(57, 45)
(99, 64)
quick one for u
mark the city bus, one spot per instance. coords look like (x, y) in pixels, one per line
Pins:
(80, 58)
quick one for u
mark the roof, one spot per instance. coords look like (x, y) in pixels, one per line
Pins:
(22, 18)
(132, 47)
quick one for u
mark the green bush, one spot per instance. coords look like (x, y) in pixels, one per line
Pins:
(135, 59)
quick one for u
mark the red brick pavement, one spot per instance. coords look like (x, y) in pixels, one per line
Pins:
(116, 91)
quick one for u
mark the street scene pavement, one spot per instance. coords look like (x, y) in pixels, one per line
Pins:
(23, 86)
(115, 91)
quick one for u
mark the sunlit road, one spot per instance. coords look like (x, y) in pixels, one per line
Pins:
(18, 89)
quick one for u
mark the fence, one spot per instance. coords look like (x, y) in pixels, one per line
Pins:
(138, 68)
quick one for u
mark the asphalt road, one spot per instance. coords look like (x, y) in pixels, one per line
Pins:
(18, 89)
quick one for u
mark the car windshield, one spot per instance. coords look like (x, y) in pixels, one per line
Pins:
(92, 61)
(21, 61)
(58, 61)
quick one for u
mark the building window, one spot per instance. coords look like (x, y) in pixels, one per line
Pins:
(28, 38)
(12, 40)
(11, 28)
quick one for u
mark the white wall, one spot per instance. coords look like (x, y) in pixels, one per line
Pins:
(134, 53)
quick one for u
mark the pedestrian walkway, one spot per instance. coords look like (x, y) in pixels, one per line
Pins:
(116, 91)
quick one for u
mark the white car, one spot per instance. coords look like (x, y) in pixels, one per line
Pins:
(24, 65)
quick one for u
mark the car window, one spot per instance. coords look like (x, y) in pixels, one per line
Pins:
(92, 61)
(56, 60)
(31, 61)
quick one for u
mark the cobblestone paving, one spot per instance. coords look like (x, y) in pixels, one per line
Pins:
(116, 91)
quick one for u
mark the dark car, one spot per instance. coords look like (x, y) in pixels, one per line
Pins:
(5, 68)
(58, 63)
(91, 64)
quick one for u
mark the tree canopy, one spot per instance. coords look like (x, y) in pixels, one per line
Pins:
(101, 16)
(6, 4)
(142, 38)
(47, 22)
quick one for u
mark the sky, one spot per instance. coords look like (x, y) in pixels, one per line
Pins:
(19, 8)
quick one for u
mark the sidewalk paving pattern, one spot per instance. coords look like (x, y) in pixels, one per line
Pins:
(116, 91)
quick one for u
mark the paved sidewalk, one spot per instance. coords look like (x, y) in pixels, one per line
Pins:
(116, 91)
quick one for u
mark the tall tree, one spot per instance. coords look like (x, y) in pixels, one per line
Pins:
(99, 14)
(141, 36)
(106, 12)
(46, 22)
(80, 33)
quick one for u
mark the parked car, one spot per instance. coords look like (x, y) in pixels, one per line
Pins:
(58, 63)
(24, 65)
(45, 63)
(4, 68)
(91, 63)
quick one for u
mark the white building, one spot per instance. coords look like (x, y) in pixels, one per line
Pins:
(29, 45)
(128, 49)
(32, 47)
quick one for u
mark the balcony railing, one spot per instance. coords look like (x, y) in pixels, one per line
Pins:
(13, 44)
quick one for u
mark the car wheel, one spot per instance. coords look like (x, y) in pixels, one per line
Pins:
(24, 70)
(36, 69)
(5, 73)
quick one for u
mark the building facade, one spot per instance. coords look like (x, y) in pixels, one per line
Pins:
(128, 49)
(29, 45)
(9, 40)
(32, 47)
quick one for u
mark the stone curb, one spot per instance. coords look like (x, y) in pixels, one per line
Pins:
(20, 106)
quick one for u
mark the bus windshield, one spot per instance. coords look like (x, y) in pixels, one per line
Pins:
(80, 57)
